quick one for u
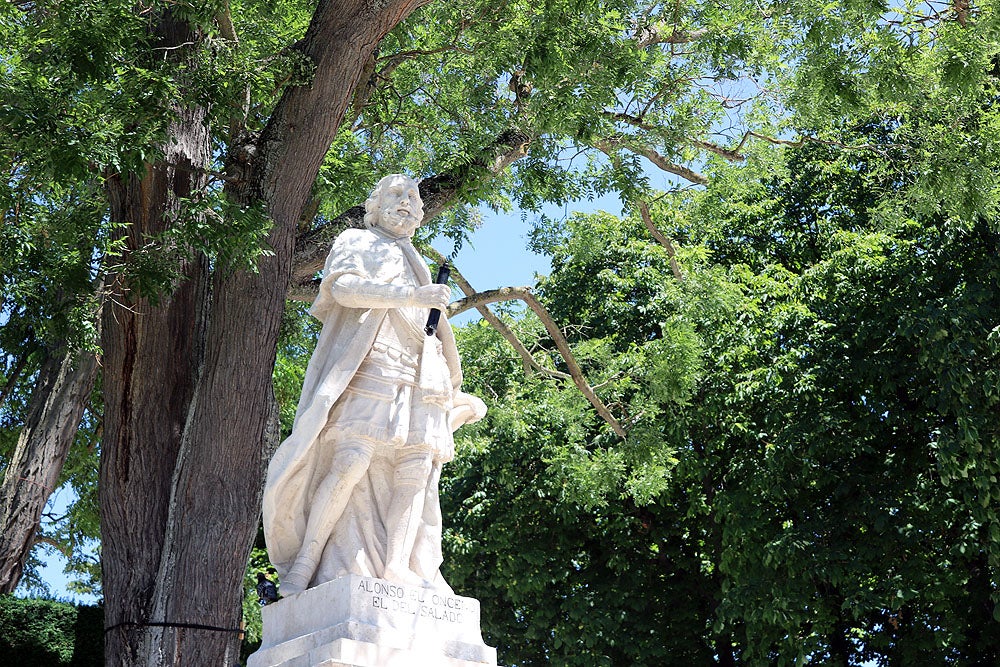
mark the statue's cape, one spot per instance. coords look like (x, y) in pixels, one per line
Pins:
(346, 338)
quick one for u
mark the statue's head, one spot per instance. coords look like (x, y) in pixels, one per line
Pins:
(395, 206)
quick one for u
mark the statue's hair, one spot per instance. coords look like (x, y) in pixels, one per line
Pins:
(371, 204)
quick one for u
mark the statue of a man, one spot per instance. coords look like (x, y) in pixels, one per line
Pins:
(353, 490)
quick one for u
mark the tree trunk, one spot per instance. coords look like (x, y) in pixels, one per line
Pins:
(152, 355)
(190, 417)
(61, 394)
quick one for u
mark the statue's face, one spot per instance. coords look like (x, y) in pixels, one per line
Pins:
(400, 208)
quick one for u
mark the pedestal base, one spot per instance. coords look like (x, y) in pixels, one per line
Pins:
(364, 622)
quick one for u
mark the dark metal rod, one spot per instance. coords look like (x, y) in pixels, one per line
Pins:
(435, 315)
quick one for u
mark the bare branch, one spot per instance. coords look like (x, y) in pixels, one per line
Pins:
(609, 145)
(479, 301)
(574, 369)
(640, 122)
(15, 373)
(661, 238)
(305, 292)
(64, 549)
(309, 214)
(371, 75)
(728, 153)
(650, 36)
(396, 59)
(801, 141)
(363, 92)
(630, 119)
(225, 21)
(175, 47)
(962, 11)
(527, 359)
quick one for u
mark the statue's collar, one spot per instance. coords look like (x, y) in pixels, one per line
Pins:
(389, 236)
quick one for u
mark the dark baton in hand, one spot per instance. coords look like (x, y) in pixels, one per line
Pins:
(435, 315)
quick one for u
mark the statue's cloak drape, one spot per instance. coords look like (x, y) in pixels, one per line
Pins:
(346, 338)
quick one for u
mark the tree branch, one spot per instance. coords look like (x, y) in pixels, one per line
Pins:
(650, 36)
(370, 75)
(574, 369)
(662, 239)
(363, 92)
(396, 59)
(225, 21)
(15, 375)
(630, 119)
(640, 122)
(527, 359)
(64, 549)
(962, 11)
(609, 145)
(479, 300)
(733, 155)
(801, 141)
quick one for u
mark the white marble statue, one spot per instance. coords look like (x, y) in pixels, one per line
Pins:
(353, 490)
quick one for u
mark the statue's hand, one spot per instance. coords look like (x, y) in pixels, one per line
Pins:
(466, 409)
(431, 296)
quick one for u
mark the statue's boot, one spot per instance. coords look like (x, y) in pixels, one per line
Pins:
(298, 578)
(328, 503)
(405, 514)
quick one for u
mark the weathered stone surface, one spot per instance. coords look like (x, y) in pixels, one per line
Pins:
(367, 622)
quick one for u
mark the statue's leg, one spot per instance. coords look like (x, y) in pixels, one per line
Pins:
(350, 462)
(413, 469)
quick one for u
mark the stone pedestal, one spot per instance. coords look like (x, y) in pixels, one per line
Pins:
(365, 622)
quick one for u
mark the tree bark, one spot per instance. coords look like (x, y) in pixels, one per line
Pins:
(61, 394)
(190, 416)
(152, 353)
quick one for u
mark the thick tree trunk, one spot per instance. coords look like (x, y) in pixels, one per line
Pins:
(190, 418)
(61, 394)
(152, 357)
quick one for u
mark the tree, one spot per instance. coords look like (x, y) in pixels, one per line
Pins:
(857, 515)
(54, 413)
(798, 406)
(174, 389)
(164, 455)
(48, 305)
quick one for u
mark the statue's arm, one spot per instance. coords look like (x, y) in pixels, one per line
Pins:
(353, 291)
(467, 409)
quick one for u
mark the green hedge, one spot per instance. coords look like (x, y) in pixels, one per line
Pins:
(46, 633)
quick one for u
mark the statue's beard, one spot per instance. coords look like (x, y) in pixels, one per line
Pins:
(399, 225)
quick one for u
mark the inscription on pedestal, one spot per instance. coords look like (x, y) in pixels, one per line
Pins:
(368, 622)
(418, 602)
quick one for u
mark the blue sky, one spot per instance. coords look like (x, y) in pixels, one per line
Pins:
(497, 255)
